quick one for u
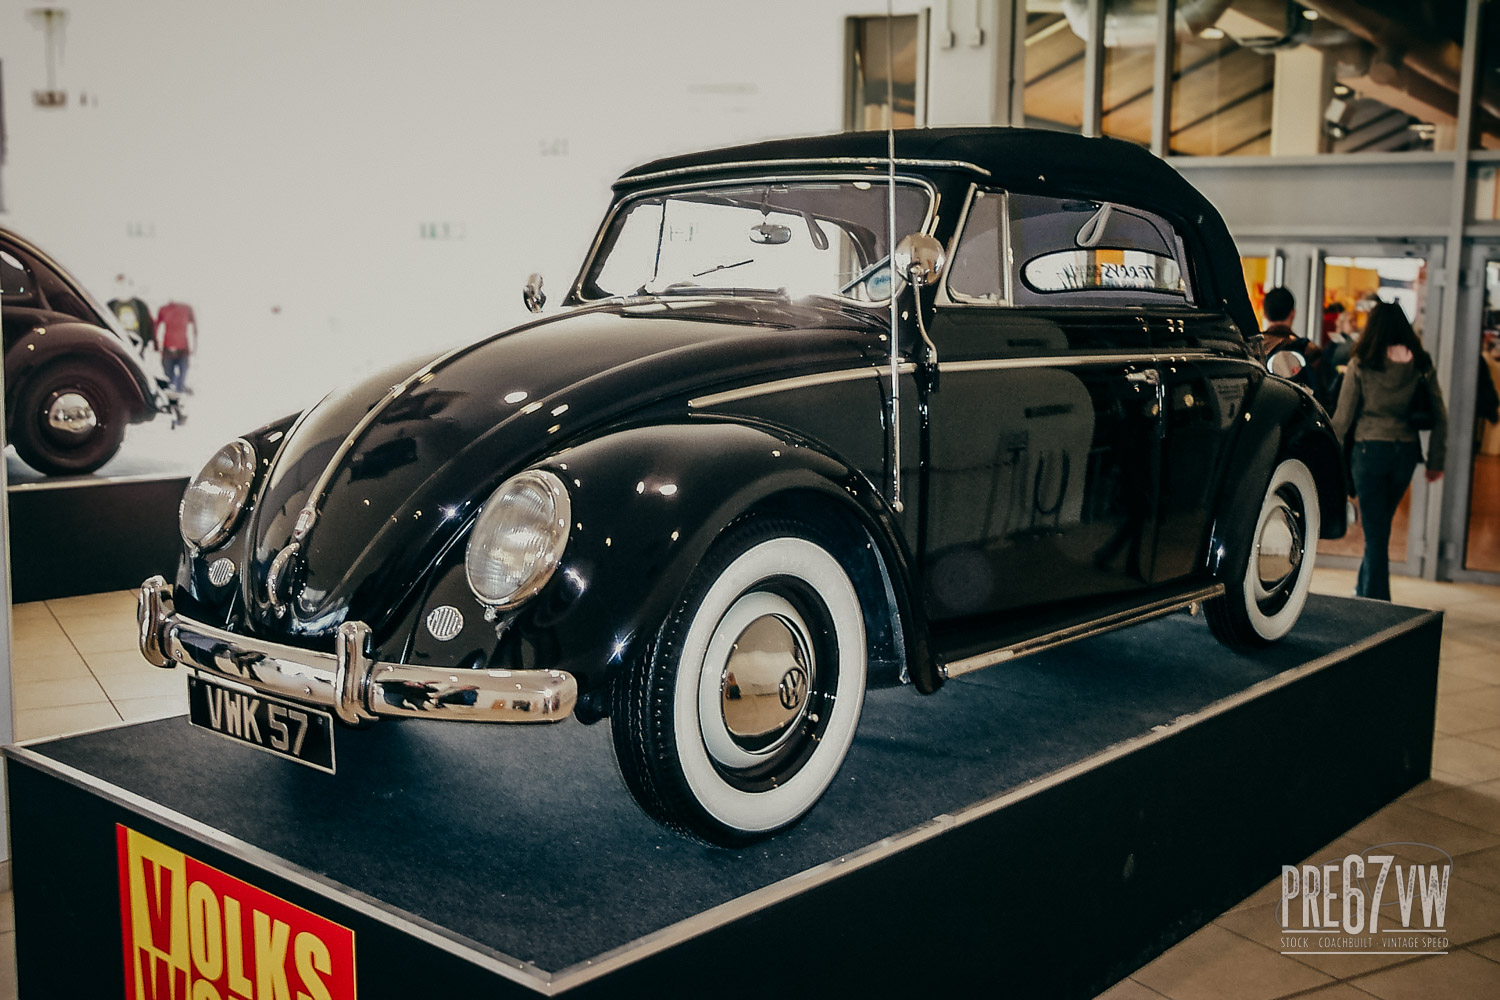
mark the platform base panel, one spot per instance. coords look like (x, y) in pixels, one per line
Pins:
(89, 534)
(1037, 829)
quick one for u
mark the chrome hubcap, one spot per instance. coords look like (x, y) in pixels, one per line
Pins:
(760, 668)
(71, 413)
(765, 682)
(1279, 550)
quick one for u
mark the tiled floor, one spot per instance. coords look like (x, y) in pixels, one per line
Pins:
(1238, 955)
(75, 667)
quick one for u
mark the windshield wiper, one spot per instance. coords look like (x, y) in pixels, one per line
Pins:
(725, 267)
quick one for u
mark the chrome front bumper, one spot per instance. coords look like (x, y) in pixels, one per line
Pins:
(349, 683)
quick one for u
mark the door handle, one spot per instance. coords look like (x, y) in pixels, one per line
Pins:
(1150, 376)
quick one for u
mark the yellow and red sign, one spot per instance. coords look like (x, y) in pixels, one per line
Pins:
(191, 932)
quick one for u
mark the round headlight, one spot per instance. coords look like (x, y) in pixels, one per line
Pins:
(217, 496)
(518, 538)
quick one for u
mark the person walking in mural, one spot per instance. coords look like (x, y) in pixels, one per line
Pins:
(134, 315)
(177, 338)
(1389, 393)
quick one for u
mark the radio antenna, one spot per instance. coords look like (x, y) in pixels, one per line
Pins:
(894, 457)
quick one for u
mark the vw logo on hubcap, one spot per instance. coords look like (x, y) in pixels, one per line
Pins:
(793, 688)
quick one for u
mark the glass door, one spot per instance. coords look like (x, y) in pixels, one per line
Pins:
(1472, 508)
(1347, 281)
(1264, 268)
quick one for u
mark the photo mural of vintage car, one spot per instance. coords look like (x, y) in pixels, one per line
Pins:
(73, 377)
(733, 481)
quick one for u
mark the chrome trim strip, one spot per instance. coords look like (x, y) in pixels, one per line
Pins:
(552, 983)
(1084, 630)
(349, 682)
(347, 445)
(576, 290)
(983, 365)
(1047, 361)
(629, 180)
(795, 382)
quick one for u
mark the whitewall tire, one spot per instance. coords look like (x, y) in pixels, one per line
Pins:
(1264, 597)
(743, 711)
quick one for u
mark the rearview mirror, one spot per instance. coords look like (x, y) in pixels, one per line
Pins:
(770, 234)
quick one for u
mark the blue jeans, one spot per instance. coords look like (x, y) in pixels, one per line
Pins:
(175, 366)
(1382, 472)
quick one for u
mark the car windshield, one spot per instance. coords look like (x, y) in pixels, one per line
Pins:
(811, 237)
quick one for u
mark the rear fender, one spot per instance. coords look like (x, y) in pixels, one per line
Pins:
(43, 345)
(1282, 422)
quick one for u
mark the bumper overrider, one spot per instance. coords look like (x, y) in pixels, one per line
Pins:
(351, 684)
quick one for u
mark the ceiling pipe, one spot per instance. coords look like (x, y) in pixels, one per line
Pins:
(1132, 23)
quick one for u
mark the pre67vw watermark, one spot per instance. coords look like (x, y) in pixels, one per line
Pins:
(1379, 902)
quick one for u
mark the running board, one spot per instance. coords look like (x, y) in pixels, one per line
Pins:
(1072, 633)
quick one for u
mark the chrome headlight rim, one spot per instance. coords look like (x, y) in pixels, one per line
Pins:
(244, 478)
(561, 521)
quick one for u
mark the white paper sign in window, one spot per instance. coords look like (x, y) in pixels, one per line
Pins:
(1083, 270)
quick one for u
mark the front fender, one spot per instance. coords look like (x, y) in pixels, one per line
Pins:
(647, 502)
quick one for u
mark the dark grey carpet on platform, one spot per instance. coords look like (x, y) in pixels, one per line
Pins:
(524, 840)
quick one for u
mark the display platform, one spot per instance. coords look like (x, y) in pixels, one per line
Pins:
(1044, 828)
(85, 534)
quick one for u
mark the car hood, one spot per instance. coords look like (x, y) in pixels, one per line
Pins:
(395, 465)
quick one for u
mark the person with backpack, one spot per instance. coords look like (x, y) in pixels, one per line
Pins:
(1389, 394)
(1280, 308)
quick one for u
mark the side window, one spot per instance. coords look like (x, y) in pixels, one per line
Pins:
(978, 272)
(15, 280)
(1080, 252)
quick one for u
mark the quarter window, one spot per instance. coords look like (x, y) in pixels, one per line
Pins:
(977, 274)
(14, 278)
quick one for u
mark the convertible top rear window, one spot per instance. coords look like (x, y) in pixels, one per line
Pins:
(1032, 250)
(1093, 253)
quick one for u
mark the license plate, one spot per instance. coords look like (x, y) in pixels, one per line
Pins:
(278, 727)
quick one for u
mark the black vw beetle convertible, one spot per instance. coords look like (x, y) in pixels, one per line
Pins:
(810, 418)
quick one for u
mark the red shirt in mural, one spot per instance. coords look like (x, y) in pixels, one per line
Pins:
(172, 323)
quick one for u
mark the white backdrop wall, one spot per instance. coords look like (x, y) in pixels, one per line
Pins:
(273, 163)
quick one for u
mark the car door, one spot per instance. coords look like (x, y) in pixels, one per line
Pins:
(1043, 444)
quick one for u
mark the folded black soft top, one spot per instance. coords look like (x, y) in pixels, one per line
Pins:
(1036, 161)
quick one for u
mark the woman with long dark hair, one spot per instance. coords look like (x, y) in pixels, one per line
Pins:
(1375, 402)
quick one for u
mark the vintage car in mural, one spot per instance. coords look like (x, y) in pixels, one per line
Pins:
(73, 377)
(733, 481)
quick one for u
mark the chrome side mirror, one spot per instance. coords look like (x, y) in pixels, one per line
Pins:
(533, 295)
(919, 258)
(1287, 364)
